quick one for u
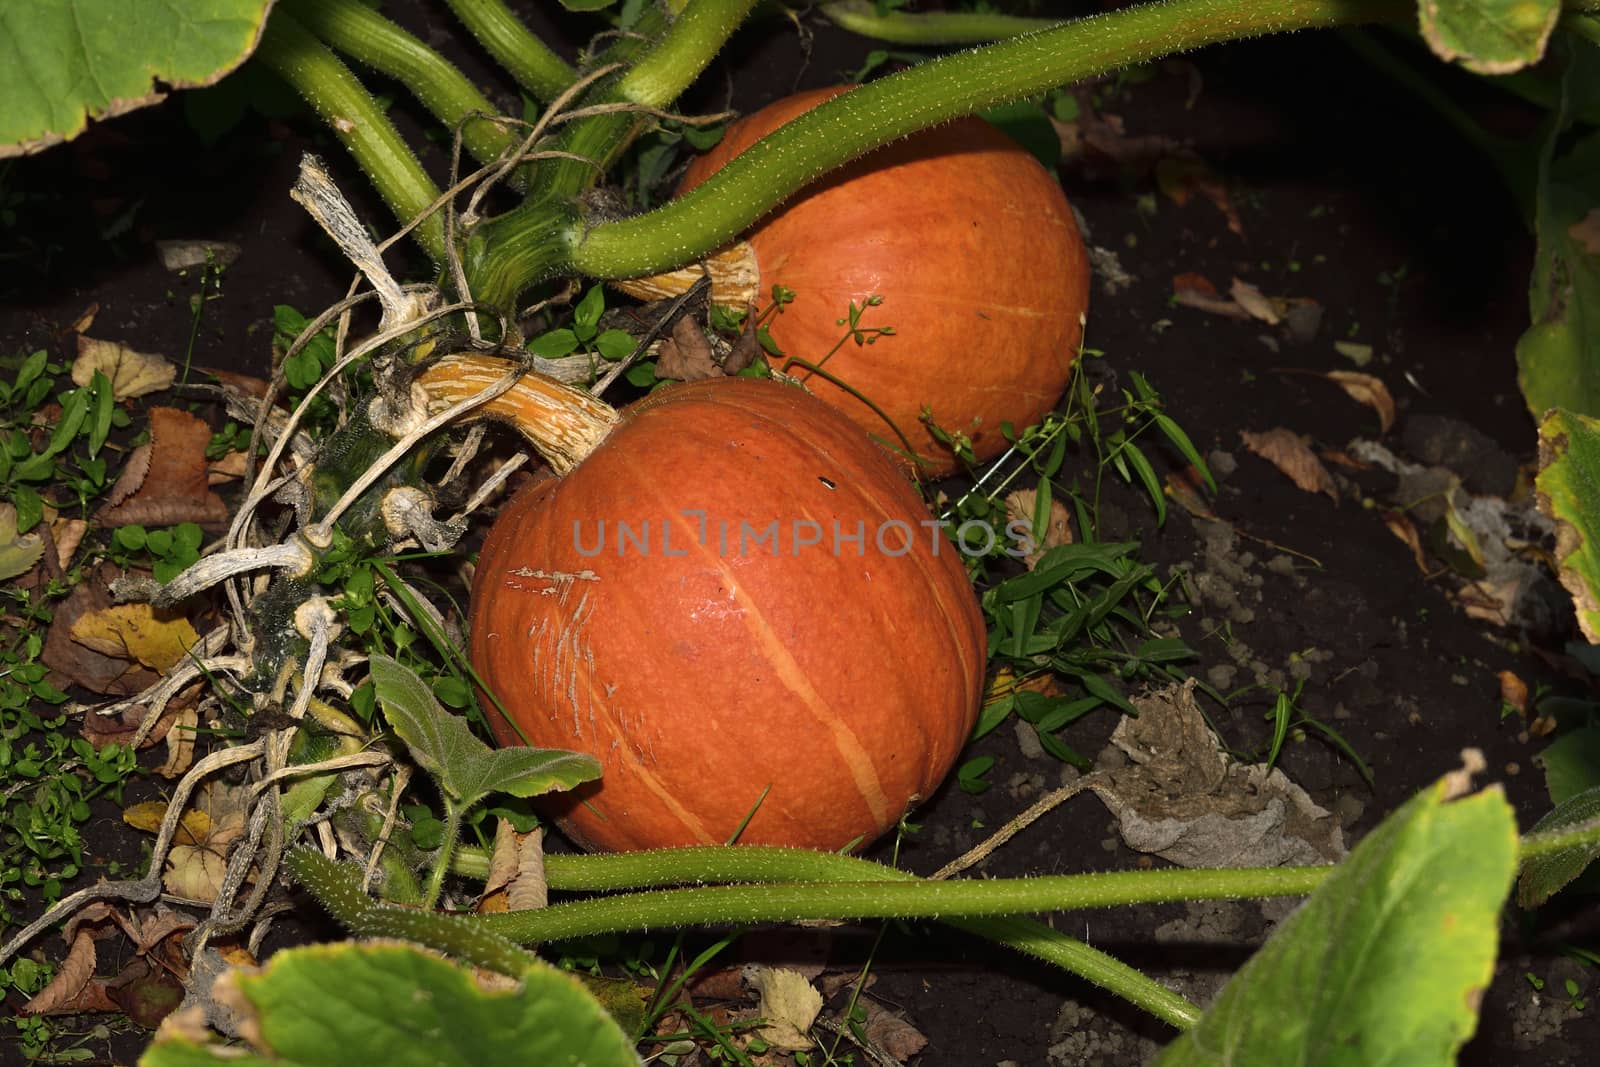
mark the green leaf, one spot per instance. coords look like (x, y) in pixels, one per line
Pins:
(63, 62)
(587, 313)
(1572, 764)
(1544, 876)
(104, 404)
(465, 767)
(1555, 364)
(1489, 36)
(1385, 964)
(1026, 123)
(1569, 488)
(554, 345)
(331, 1005)
(587, 5)
(615, 344)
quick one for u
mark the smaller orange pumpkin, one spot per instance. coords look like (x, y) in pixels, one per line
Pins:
(973, 248)
(736, 601)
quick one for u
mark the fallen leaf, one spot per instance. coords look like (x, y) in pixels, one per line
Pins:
(1195, 290)
(245, 384)
(18, 553)
(131, 373)
(1175, 793)
(789, 1005)
(180, 743)
(1401, 526)
(72, 991)
(147, 816)
(102, 730)
(686, 355)
(1183, 174)
(230, 467)
(1365, 389)
(1020, 506)
(893, 1033)
(73, 663)
(1286, 451)
(516, 879)
(136, 632)
(174, 487)
(86, 320)
(195, 871)
(1255, 302)
(67, 535)
(1104, 135)
(1358, 354)
(1514, 692)
(183, 255)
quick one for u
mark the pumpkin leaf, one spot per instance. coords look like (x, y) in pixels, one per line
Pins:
(1569, 492)
(64, 62)
(1544, 876)
(464, 766)
(1489, 36)
(330, 1005)
(1386, 962)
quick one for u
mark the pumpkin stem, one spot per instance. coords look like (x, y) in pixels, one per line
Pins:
(564, 424)
(734, 273)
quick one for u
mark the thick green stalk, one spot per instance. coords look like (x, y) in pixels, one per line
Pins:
(528, 59)
(1568, 838)
(904, 899)
(441, 862)
(366, 36)
(690, 43)
(933, 28)
(850, 125)
(335, 94)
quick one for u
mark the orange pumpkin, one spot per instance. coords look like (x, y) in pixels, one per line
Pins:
(975, 251)
(692, 605)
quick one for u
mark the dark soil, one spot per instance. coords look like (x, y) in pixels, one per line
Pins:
(1348, 192)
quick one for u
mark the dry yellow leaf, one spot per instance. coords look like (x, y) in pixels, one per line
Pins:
(789, 1004)
(192, 828)
(1285, 450)
(131, 373)
(1255, 302)
(133, 632)
(195, 871)
(1365, 389)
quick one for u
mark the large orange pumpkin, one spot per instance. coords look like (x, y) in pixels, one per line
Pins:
(974, 249)
(737, 603)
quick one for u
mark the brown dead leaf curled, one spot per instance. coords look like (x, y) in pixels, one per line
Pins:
(1514, 692)
(195, 871)
(1184, 174)
(184, 255)
(180, 743)
(1195, 290)
(1365, 389)
(893, 1033)
(131, 373)
(73, 989)
(686, 355)
(230, 467)
(173, 487)
(136, 632)
(1285, 450)
(1400, 524)
(516, 879)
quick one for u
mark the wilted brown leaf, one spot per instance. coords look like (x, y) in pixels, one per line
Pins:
(516, 879)
(1182, 175)
(789, 1004)
(85, 320)
(195, 871)
(174, 487)
(1401, 526)
(131, 373)
(184, 255)
(686, 355)
(67, 535)
(1258, 304)
(1514, 691)
(77, 664)
(245, 384)
(1196, 291)
(1365, 389)
(1285, 450)
(72, 991)
(136, 632)
(180, 743)
(893, 1033)
(229, 468)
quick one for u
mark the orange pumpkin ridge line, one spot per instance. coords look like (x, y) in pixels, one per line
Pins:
(608, 722)
(863, 773)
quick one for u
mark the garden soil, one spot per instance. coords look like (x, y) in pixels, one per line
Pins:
(1289, 165)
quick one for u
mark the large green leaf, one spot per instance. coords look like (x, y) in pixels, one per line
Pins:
(1489, 36)
(1544, 876)
(63, 62)
(333, 1005)
(465, 767)
(1569, 492)
(1385, 963)
(1556, 362)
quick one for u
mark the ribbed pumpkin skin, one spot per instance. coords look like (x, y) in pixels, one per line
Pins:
(848, 683)
(976, 253)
